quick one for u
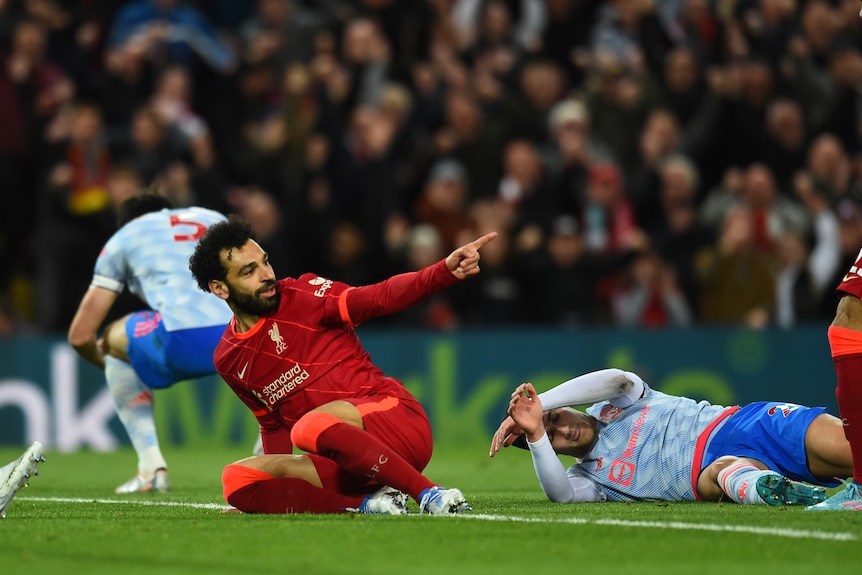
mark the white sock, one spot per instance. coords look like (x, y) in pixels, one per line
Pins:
(134, 403)
(738, 482)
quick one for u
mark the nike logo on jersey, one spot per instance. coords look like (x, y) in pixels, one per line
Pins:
(241, 373)
(852, 274)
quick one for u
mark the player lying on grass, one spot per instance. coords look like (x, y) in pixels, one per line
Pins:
(635, 443)
(292, 355)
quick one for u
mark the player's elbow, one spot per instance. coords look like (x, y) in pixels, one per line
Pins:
(79, 338)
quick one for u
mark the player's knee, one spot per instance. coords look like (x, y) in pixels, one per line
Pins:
(235, 478)
(309, 427)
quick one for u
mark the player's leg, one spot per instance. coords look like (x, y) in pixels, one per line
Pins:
(392, 454)
(299, 484)
(827, 448)
(749, 481)
(115, 340)
(845, 342)
(137, 338)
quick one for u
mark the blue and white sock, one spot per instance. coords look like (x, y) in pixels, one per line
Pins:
(133, 400)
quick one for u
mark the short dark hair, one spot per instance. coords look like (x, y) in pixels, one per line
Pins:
(205, 263)
(141, 204)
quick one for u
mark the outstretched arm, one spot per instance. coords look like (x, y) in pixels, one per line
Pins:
(621, 388)
(401, 291)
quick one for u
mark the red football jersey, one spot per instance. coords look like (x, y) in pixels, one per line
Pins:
(307, 353)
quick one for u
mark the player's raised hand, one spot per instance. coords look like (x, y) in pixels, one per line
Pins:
(464, 261)
(505, 435)
(525, 409)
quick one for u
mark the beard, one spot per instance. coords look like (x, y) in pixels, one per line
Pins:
(255, 304)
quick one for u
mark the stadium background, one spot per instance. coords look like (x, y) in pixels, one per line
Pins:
(608, 143)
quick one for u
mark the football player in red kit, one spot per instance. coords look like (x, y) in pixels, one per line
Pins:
(292, 355)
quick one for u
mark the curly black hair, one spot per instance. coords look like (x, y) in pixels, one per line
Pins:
(141, 204)
(205, 264)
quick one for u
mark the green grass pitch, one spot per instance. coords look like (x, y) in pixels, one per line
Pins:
(69, 521)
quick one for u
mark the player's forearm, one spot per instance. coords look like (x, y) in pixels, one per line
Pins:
(555, 482)
(398, 292)
(622, 388)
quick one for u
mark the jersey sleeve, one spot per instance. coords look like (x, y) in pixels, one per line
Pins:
(111, 270)
(556, 483)
(621, 388)
(394, 294)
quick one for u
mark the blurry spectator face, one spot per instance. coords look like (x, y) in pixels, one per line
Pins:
(757, 83)
(680, 70)
(542, 84)
(29, 41)
(496, 22)
(447, 186)
(86, 124)
(274, 12)
(818, 24)
(522, 163)
(758, 187)
(791, 249)
(296, 79)
(358, 38)
(825, 157)
(462, 114)
(260, 210)
(785, 123)
(146, 129)
(677, 184)
(122, 185)
(604, 184)
(174, 84)
(424, 246)
(660, 133)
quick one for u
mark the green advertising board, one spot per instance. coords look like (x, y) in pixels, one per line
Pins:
(464, 380)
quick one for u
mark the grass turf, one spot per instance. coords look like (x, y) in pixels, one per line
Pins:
(512, 528)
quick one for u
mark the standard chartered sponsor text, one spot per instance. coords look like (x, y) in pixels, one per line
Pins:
(285, 383)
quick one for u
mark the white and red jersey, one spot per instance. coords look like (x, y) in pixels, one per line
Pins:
(150, 255)
(307, 353)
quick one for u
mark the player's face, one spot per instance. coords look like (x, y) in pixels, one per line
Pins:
(250, 280)
(570, 431)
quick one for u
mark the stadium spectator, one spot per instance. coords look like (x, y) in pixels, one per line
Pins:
(399, 86)
(635, 443)
(649, 296)
(734, 277)
(171, 341)
(364, 433)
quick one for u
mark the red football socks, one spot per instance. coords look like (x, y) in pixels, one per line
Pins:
(364, 456)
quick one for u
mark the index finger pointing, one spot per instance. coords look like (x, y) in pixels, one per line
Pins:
(478, 243)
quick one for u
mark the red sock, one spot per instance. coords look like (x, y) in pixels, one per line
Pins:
(290, 495)
(849, 395)
(364, 456)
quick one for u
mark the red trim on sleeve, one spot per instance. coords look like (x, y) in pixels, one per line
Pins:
(700, 447)
(342, 307)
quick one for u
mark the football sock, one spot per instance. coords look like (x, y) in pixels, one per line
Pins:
(738, 482)
(357, 452)
(133, 401)
(259, 492)
(848, 390)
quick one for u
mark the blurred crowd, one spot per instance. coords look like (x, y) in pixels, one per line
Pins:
(647, 163)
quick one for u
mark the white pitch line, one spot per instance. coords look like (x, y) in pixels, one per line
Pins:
(678, 525)
(774, 531)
